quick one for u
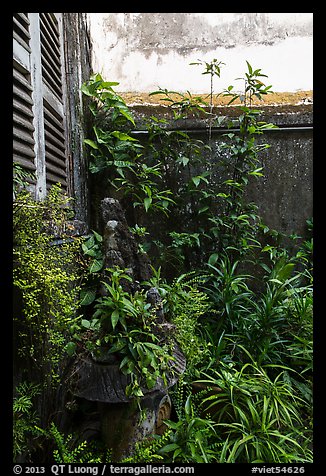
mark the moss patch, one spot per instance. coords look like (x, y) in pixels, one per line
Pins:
(277, 99)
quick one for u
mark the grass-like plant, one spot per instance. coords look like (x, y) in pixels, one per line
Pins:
(258, 416)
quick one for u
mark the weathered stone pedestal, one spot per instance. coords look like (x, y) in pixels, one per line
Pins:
(122, 420)
(122, 424)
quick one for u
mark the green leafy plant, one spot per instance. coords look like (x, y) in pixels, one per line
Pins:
(247, 321)
(258, 416)
(229, 291)
(117, 306)
(45, 278)
(92, 257)
(123, 330)
(24, 419)
(146, 451)
(21, 178)
(218, 213)
(117, 152)
(188, 314)
(68, 450)
(193, 439)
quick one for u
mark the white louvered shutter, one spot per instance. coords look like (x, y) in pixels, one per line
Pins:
(39, 136)
(53, 100)
(23, 128)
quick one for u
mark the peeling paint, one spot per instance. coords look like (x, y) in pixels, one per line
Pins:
(146, 50)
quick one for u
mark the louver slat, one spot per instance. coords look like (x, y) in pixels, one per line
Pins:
(23, 140)
(53, 60)
(50, 30)
(21, 29)
(50, 53)
(55, 146)
(55, 157)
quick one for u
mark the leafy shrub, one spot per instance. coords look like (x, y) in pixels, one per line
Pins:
(193, 439)
(46, 274)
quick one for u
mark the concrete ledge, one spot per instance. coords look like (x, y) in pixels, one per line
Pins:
(282, 109)
(272, 99)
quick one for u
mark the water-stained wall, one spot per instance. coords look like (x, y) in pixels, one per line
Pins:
(146, 50)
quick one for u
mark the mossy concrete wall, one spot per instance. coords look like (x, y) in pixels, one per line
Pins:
(285, 194)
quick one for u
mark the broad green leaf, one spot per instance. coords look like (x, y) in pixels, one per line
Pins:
(87, 90)
(91, 253)
(122, 136)
(84, 247)
(183, 160)
(128, 116)
(91, 143)
(268, 247)
(188, 406)
(203, 209)
(265, 267)
(257, 172)
(249, 67)
(109, 84)
(277, 281)
(150, 381)
(115, 318)
(168, 448)
(96, 265)
(125, 361)
(98, 236)
(147, 203)
(285, 272)
(196, 180)
(213, 258)
(70, 348)
(87, 296)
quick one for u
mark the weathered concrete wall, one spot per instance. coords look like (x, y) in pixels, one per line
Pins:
(146, 50)
(285, 194)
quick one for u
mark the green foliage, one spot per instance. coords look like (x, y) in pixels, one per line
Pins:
(147, 450)
(217, 212)
(21, 178)
(193, 439)
(67, 450)
(92, 249)
(46, 276)
(258, 416)
(115, 152)
(240, 300)
(229, 292)
(260, 310)
(123, 326)
(24, 418)
(188, 315)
